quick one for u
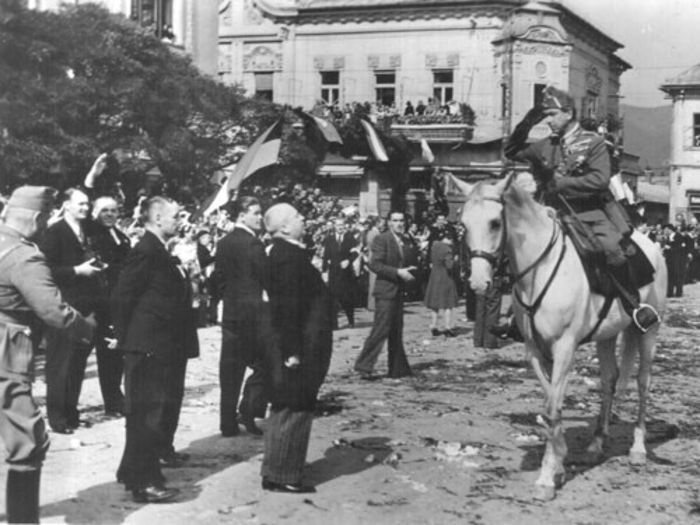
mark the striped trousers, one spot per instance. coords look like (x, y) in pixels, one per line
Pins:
(286, 442)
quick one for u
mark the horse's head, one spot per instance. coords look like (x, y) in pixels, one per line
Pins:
(482, 216)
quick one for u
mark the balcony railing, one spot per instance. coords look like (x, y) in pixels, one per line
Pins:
(437, 133)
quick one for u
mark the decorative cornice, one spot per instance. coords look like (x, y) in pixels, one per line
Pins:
(289, 11)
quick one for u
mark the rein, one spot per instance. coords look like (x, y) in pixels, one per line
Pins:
(496, 258)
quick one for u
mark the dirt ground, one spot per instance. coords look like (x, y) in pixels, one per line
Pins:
(456, 444)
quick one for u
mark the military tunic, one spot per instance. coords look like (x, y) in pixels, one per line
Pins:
(28, 295)
(577, 167)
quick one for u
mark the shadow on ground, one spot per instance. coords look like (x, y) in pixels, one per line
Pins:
(207, 457)
(348, 458)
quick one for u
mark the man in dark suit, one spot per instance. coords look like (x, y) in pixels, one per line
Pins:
(112, 246)
(338, 255)
(393, 260)
(239, 269)
(73, 265)
(677, 250)
(155, 326)
(297, 362)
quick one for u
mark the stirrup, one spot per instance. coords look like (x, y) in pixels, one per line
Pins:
(644, 317)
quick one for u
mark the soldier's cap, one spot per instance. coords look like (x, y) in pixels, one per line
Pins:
(553, 98)
(33, 198)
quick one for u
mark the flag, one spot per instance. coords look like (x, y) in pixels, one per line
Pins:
(326, 128)
(216, 200)
(375, 142)
(262, 153)
(426, 152)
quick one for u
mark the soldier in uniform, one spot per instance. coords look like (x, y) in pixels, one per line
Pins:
(28, 296)
(574, 164)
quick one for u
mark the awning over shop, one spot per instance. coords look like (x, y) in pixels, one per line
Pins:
(648, 192)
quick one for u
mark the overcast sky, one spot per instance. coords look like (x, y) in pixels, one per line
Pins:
(661, 39)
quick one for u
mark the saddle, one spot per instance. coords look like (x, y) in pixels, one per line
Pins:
(592, 256)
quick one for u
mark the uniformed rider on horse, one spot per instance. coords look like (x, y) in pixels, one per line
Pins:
(572, 170)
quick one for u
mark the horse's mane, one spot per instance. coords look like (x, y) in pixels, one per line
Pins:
(483, 190)
(516, 197)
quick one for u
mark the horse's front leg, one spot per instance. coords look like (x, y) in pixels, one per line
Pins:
(552, 471)
(638, 452)
(608, 379)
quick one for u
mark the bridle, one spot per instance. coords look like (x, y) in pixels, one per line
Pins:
(495, 259)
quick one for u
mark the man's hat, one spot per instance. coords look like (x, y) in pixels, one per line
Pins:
(33, 198)
(553, 98)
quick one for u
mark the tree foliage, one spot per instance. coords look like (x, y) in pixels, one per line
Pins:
(83, 81)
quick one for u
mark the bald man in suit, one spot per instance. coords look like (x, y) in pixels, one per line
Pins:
(298, 360)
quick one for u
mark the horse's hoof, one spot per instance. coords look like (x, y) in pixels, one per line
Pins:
(638, 458)
(545, 493)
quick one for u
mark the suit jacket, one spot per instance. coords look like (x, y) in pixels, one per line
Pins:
(302, 325)
(340, 280)
(151, 304)
(64, 251)
(240, 273)
(386, 259)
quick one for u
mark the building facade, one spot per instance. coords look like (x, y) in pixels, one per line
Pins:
(496, 56)
(684, 172)
(190, 26)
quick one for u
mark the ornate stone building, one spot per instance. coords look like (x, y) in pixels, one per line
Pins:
(684, 176)
(189, 26)
(495, 55)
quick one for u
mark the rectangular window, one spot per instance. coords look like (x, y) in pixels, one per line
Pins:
(155, 14)
(696, 130)
(443, 86)
(385, 87)
(591, 110)
(537, 90)
(330, 87)
(263, 86)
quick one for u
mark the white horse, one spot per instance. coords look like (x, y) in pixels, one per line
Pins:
(556, 310)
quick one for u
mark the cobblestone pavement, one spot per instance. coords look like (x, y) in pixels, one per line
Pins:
(456, 444)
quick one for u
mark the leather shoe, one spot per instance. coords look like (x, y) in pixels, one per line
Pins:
(62, 429)
(291, 488)
(154, 494)
(174, 459)
(251, 427)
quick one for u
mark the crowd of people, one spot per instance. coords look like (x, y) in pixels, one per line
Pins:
(277, 268)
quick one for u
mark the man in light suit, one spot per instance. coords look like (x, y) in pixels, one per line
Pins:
(155, 326)
(298, 359)
(239, 268)
(393, 259)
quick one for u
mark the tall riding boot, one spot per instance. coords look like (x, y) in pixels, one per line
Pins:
(643, 315)
(22, 496)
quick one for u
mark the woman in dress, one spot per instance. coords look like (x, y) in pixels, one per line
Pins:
(441, 293)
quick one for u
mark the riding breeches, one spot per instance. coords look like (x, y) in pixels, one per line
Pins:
(607, 235)
(21, 426)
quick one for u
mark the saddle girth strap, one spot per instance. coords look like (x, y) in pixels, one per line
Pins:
(601, 317)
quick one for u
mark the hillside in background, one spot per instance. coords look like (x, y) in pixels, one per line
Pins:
(648, 134)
